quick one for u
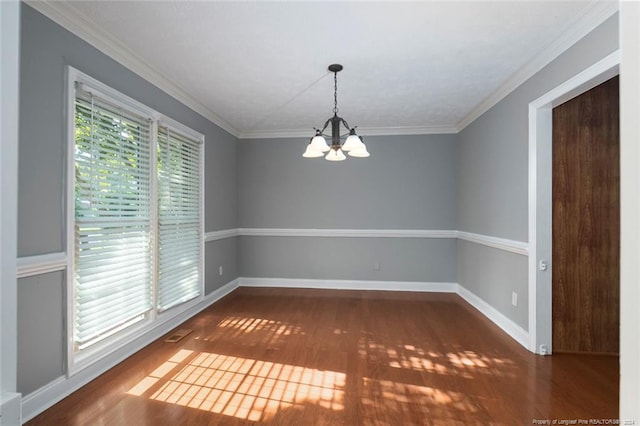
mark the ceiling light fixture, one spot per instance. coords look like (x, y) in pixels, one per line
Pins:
(353, 144)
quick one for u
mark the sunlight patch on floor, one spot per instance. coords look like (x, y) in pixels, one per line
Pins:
(247, 325)
(237, 326)
(244, 388)
(404, 393)
(462, 363)
(442, 407)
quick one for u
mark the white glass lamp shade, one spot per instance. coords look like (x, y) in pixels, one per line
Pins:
(311, 153)
(353, 143)
(335, 155)
(318, 143)
(361, 152)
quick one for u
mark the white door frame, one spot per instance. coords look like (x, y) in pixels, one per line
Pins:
(10, 400)
(540, 191)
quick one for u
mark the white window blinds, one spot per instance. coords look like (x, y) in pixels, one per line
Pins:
(179, 207)
(113, 260)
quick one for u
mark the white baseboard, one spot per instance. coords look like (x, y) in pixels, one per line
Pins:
(349, 284)
(10, 409)
(508, 326)
(43, 398)
(519, 334)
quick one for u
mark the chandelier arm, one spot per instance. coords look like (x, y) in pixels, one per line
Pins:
(345, 123)
(326, 123)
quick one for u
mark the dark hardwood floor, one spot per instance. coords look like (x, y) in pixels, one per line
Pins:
(304, 357)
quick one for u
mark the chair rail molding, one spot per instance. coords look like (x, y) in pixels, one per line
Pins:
(41, 264)
(513, 246)
(347, 233)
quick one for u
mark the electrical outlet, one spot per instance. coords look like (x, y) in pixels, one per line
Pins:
(376, 265)
(543, 350)
(514, 298)
(220, 270)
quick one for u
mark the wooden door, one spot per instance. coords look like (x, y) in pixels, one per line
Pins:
(586, 222)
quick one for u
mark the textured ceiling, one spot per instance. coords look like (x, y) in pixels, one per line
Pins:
(261, 66)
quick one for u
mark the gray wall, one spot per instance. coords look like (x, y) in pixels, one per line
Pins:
(41, 330)
(493, 176)
(46, 49)
(399, 259)
(493, 274)
(220, 253)
(409, 182)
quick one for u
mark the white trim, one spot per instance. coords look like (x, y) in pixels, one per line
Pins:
(100, 90)
(508, 326)
(348, 284)
(201, 178)
(11, 409)
(348, 233)
(170, 123)
(220, 235)
(629, 211)
(69, 176)
(64, 14)
(519, 334)
(513, 246)
(43, 398)
(540, 192)
(596, 14)
(365, 131)
(518, 247)
(41, 264)
(407, 130)
(9, 144)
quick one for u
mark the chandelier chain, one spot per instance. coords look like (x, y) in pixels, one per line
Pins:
(335, 92)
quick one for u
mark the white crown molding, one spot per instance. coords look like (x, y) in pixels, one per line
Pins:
(518, 247)
(519, 334)
(408, 130)
(220, 235)
(348, 233)
(41, 264)
(594, 15)
(438, 287)
(43, 398)
(64, 14)
(364, 131)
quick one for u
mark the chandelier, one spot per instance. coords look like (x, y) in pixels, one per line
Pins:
(353, 145)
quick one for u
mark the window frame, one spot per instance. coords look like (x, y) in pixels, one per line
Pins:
(79, 360)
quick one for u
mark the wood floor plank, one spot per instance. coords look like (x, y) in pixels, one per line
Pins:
(315, 357)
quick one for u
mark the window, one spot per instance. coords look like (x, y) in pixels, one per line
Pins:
(112, 283)
(178, 218)
(135, 224)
